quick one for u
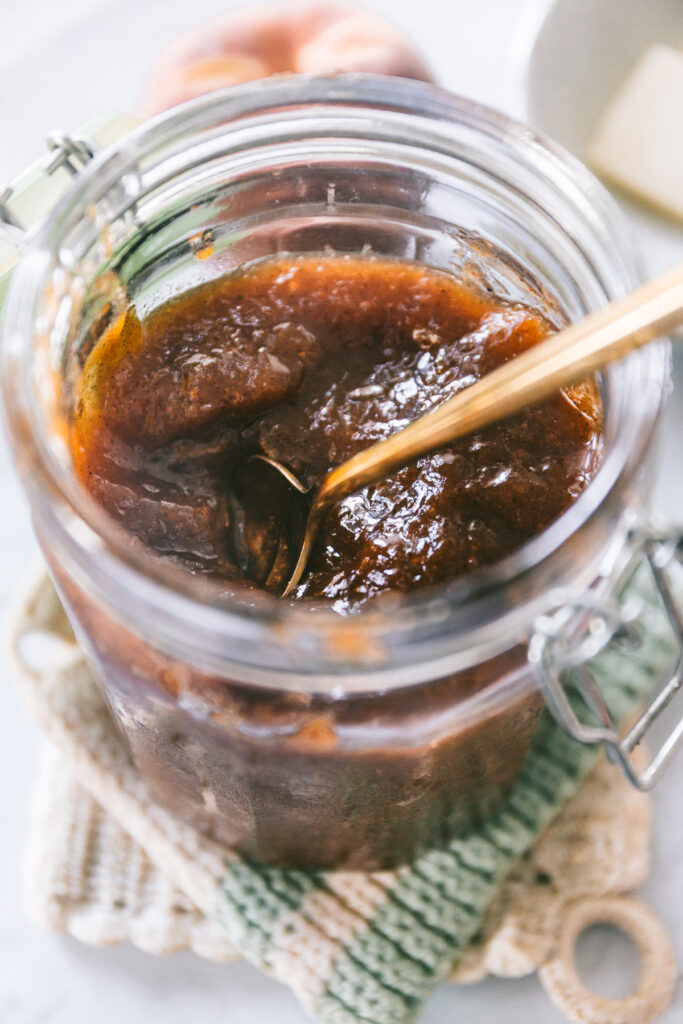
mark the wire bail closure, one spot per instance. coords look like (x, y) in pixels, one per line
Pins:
(565, 640)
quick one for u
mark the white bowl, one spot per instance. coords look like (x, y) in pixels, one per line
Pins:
(577, 53)
(582, 51)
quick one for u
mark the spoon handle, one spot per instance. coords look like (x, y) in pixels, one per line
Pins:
(566, 358)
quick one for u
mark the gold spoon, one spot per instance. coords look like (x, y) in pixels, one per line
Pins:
(566, 358)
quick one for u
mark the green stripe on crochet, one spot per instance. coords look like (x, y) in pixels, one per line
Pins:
(253, 898)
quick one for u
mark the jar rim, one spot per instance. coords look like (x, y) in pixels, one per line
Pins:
(168, 601)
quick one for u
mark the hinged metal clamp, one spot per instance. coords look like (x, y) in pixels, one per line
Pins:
(72, 152)
(565, 641)
(68, 152)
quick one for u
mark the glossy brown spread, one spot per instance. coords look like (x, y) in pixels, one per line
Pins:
(309, 360)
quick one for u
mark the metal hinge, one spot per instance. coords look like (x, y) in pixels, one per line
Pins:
(68, 152)
(565, 641)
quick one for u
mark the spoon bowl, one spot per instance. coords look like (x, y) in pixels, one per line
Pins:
(268, 508)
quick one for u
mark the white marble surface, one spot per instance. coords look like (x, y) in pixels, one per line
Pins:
(62, 61)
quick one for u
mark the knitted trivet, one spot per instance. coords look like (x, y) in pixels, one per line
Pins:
(85, 875)
(354, 947)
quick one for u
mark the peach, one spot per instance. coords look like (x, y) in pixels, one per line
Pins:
(251, 43)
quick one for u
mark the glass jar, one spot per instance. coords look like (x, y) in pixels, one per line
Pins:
(300, 737)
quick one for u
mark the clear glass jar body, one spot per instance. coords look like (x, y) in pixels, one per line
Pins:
(301, 737)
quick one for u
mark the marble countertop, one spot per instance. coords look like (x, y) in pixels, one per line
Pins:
(48, 52)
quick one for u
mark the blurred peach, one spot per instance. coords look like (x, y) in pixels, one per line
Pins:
(254, 42)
